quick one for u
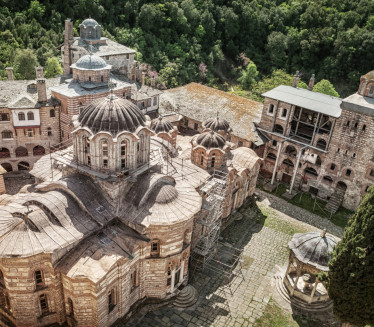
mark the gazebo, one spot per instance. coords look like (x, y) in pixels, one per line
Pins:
(309, 255)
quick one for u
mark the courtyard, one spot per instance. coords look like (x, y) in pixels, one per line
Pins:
(262, 228)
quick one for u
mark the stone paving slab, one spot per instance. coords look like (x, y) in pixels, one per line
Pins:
(264, 251)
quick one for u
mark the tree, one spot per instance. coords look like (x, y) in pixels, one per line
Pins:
(53, 67)
(24, 64)
(248, 76)
(325, 87)
(350, 281)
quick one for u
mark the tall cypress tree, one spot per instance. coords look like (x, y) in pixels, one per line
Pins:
(351, 276)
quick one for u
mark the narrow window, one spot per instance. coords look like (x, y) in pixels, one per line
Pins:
(195, 126)
(371, 172)
(155, 248)
(347, 124)
(274, 143)
(338, 150)
(134, 279)
(21, 116)
(89, 160)
(89, 78)
(155, 101)
(30, 132)
(2, 280)
(43, 303)
(52, 113)
(332, 166)
(168, 280)
(202, 158)
(102, 78)
(348, 172)
(363, 128)
(356, 125)
(186, 123)
(213, 160)
(271, 109)
(105, 163)
(284, 112)
(71, 307)
(49, 131)
(104, 148)
(354, 155)
(371, 91)
(39, 282)
(111, 300)
(30, 115)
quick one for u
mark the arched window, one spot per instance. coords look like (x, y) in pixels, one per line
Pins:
(363, 128)
(86, 144)
(288, 163)
(201, 158)
(348, 172)
(49, 131)
(6, 135)
(278, 129)
(311, 171)
(23, 165)
(291, 151)
(318, 161)
(332, 166)
(21, 116)
(21, 152)
(271, 156)
(38, 150)
(271, 109)
(104, 148)
(5, 153)
(321, 144)
(43, 300)
(71, 307)
(140, 148)
(111, 299)
(327, 180)
(123, 154)
(213, 160)
(39, 278)
(30, 115)
(52, 113)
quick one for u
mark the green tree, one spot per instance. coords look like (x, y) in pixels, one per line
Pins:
(53, 67)
(24, 64)
(325, 87)
(350, 278)
(248, 76)
(36, 10)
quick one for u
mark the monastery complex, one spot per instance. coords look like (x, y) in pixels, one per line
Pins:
(133, 185)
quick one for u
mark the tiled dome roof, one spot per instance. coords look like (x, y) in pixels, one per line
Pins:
(91, 62)
(313, 248)
(89, 22)
(111, 114)
(160, 125)
(211, 140)
(217, 124)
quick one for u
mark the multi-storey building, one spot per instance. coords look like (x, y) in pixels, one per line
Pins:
(320, 143)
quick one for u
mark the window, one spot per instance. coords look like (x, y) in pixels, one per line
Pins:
(274, 143)
(278, 129)
(105, 163)
(104, 148)
(29, 132)
(321, 144)
(332, 166)
(111, 299)
(2, 281)
(363, 128)
(168, 280)
(6, 135)
(39, 282)
(240, 143)
(134, 279)
(89, 78)
(4, 117)
(21, 116)
(213, 160)
(195, 126)
(284, 113)
(49, 131)
(356, 125)
(89, 160)
(338, 150)
(348, 172)
(371, 172)
(102, 78)
(43, 303)
(155, 101)
(71, 307)
(347, 124)
(354, 155)
(271, 109)
(155, 248)
(52, 113)
(371, 91)
(186, 123)
(30, 115)
(123, 148)
(201, 158)
(271, 156)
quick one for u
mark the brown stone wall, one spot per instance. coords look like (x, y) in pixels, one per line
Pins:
(2, 185)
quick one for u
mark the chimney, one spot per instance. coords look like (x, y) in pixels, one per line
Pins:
(153, 81)
(68, 39)
(295, 79)
(42, 90)
(39, 72)
(311, 83)
(9, 71)
(143, 78)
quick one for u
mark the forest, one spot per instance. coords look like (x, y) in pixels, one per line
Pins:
(209, 41)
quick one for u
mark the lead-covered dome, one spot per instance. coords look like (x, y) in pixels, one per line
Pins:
(90, 22)
(91, 62)
(313, 248)
(160, 125)
(217, 125)
(211, 140)
(111, 114)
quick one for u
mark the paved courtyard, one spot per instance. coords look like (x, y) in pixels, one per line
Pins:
(263, 230)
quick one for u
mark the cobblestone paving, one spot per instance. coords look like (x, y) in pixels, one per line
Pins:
(264, 251)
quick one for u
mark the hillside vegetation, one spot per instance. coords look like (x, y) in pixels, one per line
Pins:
(202, 40)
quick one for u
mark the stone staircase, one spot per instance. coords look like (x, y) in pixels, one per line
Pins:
(335, 201)
(186, 298)
(301, 305)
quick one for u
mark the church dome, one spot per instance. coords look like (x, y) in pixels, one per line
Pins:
(91, 62)
(111, 114)
(160, 125)
(217, 125)
(211, 140)
(89, 22)
(313, 248)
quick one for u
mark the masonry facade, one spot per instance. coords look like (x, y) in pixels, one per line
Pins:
(320, 143)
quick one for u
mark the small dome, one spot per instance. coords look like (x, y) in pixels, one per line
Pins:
(166, 193)
(111, 114)
(217, 124)
(211, 140)
(91, 62)
(160, 125)
(89, 22)
(313, 248)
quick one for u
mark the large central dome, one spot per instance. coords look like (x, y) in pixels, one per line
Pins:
(91, 62)
(111, 114)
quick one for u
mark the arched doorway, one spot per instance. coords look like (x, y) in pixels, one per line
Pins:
(7, 166)
(341, 187)
(23, 165)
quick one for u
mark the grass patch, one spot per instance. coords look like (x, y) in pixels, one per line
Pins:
(274, 316)
(316, 206)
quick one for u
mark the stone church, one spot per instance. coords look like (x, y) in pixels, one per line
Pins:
(112, 219)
